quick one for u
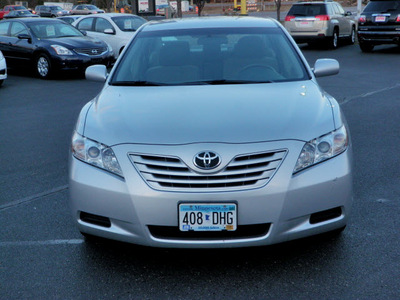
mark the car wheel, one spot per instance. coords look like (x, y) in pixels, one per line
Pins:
(366, 47)
(43, 66)
(352, 37)
(334, 40)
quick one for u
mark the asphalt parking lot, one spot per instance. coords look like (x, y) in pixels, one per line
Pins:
(42, 255)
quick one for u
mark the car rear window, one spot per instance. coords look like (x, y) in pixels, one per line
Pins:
(307, 9)
(383, 6)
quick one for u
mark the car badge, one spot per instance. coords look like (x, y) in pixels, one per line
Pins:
(207, 160)
(94, 51)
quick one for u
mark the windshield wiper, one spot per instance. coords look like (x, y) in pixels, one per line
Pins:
(137, 83)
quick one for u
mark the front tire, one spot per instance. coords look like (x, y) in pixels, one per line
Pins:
(43, 66)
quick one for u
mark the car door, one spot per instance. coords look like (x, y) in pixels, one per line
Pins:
(344, 22)
(102, 24)
(21, 49)
(5, 39)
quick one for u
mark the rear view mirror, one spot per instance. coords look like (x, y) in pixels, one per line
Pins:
(96, 73)
(326, 67)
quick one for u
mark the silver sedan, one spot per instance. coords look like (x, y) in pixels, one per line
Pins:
(211, 132)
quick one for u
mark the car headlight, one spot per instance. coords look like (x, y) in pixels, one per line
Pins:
(60, 50)
(95, 153)
(322, 148)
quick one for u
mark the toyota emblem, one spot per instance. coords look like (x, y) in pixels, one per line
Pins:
(207, 160)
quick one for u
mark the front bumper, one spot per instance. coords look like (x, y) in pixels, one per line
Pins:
(81, 62)
(288, 207)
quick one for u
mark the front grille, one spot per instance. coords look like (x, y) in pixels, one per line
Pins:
(244, 171)
(242, 232)
(91, 51)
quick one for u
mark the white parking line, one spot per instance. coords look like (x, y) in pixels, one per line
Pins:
(347, 100)
(32, 198)
(42, 243)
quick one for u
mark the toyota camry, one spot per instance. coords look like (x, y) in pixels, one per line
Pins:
(211, 132)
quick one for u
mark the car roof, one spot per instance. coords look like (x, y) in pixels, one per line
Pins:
(38, 20)
(211, 22)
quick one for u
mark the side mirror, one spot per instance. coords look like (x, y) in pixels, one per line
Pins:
(326, 67)
(96, 73)
(109, 31)
(83, 32)
(25, 37)
(348, 13)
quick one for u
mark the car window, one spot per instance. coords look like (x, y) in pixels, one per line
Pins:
(383, 6)
(54, 30)
(17, 28)
(128, 23)
(4, 28)
(340, 8)
(86, 24)
(251, 54)
(102, 24)
(307, 9)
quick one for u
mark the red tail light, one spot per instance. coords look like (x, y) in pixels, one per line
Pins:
(398, 18)
(289, 18)
(362, 19)
(323, 18)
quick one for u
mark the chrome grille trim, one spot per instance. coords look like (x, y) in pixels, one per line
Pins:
(245, 171)
(88, 51)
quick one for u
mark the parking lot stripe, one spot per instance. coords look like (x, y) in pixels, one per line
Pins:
(42, 243)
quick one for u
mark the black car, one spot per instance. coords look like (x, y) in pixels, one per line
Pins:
(50, 11)
(379, 24)
(23, 13)
(50, 45)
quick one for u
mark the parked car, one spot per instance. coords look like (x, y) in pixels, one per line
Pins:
(9, 8)
(379, 24)
(114, 28)
(50, 11)
(85, 9)
(3, 68)
(316, 22)
(23, 13)
(162, 9)
(211, 132)
(50, 45)
(69, 19)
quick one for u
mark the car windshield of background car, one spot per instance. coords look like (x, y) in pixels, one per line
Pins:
(127, 23)
(54, 30)
(210, 56)
(382, 6)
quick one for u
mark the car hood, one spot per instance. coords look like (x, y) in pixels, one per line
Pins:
(209, 113)
(76, 42)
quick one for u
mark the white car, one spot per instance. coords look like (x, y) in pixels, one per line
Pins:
(3, 68)
(114, 28)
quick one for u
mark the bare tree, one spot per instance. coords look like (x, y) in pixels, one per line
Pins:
(278, 9)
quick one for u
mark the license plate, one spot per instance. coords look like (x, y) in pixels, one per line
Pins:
(380, 19)
(207, 217)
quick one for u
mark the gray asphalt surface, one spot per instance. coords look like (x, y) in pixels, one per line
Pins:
(43, 256)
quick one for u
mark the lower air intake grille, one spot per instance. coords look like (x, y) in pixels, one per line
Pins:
(242, 232)
(244, 171)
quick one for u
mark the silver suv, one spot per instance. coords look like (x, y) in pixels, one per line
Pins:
(312, 22)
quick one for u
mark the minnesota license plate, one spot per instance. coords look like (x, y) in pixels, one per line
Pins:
(207, 217)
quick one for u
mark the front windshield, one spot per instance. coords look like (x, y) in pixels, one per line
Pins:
(128, 23)
(23, 12)
(60, 29)
(55, 8)
(209, 56)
